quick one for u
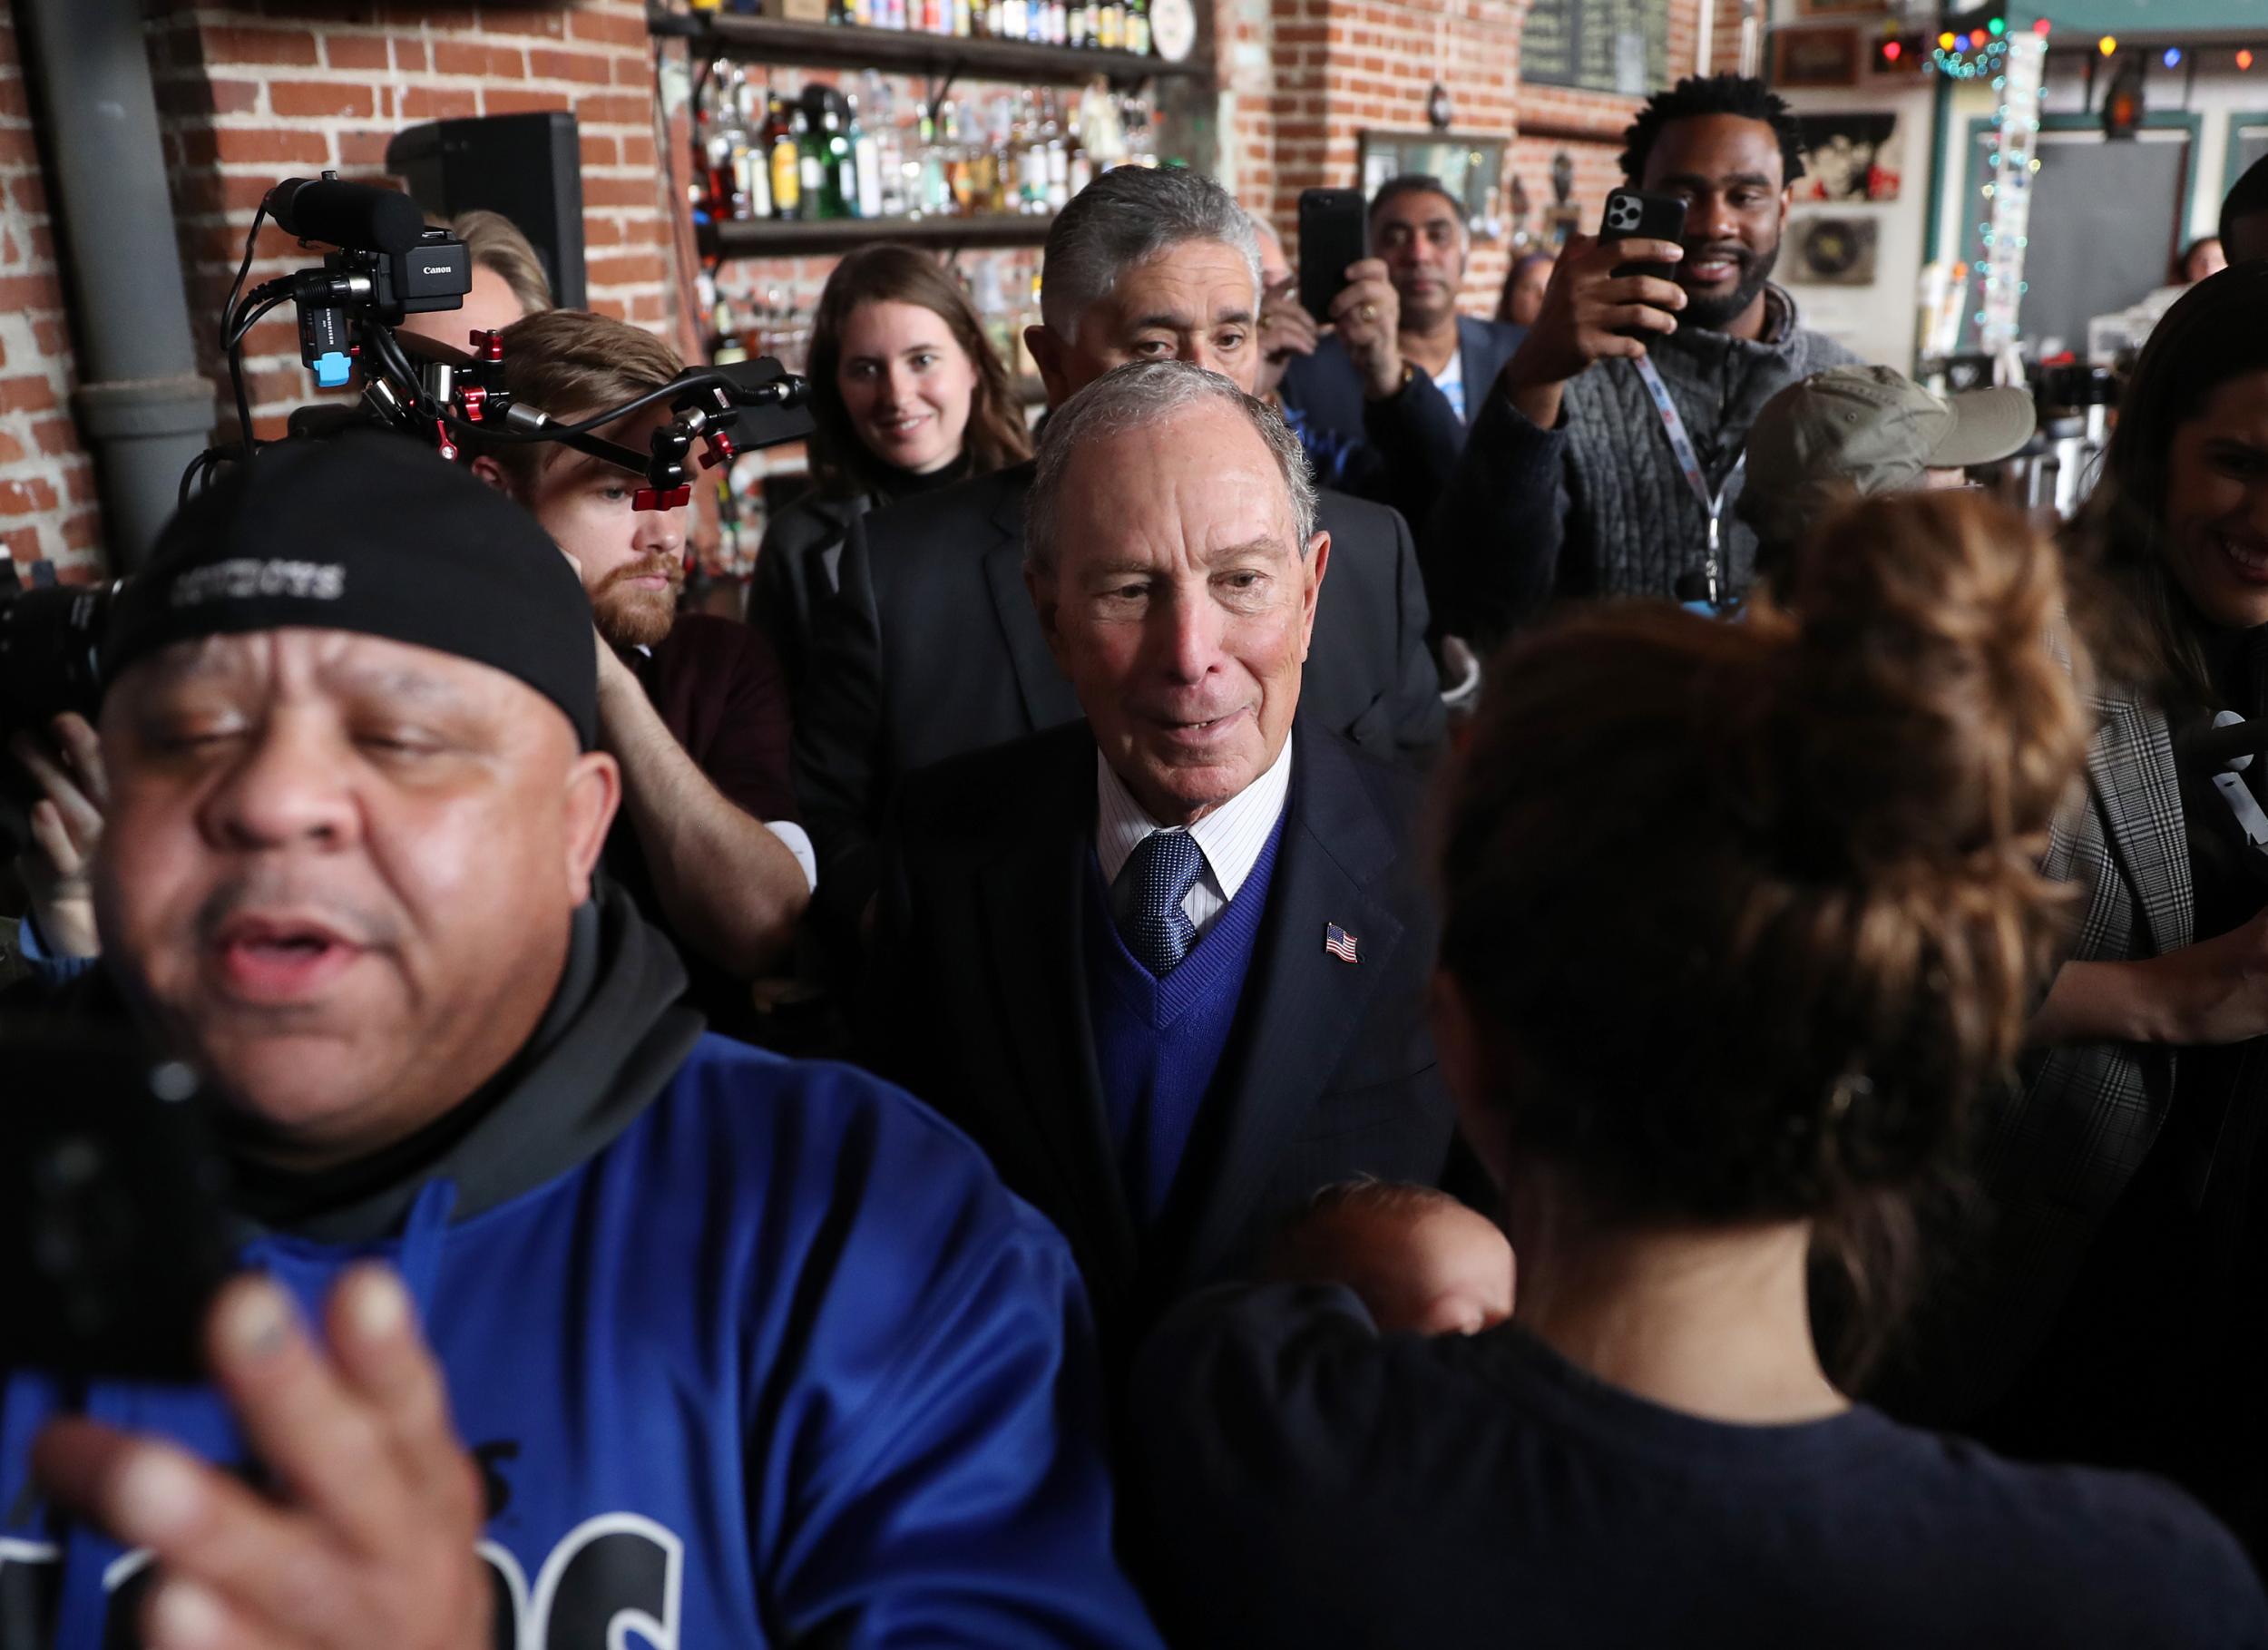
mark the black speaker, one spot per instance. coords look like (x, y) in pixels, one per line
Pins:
(528, 167)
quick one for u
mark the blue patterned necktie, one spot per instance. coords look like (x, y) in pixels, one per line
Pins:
(1157, 877)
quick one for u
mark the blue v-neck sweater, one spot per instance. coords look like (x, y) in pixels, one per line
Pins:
(1158, 1042)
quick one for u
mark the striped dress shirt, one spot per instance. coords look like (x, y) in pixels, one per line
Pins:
(1230, 837)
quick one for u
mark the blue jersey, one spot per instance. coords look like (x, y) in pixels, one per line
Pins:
(781, 1361)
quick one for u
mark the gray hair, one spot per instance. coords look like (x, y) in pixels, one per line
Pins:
(1130, 398)
(1127, 217)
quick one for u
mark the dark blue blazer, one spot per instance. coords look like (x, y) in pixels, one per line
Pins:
(977, 1001)
(1402, 450)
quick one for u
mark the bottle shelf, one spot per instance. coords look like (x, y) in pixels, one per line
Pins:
(794, 238)
(944, 57)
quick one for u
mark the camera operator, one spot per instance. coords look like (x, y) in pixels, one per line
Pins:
(693, 706)
(1575, 481)
(753, 1352)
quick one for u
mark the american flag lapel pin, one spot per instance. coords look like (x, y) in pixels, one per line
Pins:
(1340, 943)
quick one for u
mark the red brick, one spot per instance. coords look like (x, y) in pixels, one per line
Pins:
(55, 435)
(22, 544)
(438, 104)
(619, 192)
(265, 146)
(315, 99)
(411, 57)
(23, 497)
(599, 152)
(524, 20)
(26, 393)
(51, 334)
(512, 100)
(356, 51)
(610, 27)
(22, 292)
(485, 61)
(258, 45)
(78, 482)
(546, 62)
(614, 108)
(11, 449)
(84, 530)
(634, 269)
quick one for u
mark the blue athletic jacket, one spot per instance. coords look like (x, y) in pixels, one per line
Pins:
(769, 1358)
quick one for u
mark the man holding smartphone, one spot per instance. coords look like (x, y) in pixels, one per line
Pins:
(1607, 458)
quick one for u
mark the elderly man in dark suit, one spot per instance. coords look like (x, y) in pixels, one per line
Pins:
(929, 648)
(1168, 964)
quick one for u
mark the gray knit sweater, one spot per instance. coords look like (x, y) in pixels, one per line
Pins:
(1598, 507)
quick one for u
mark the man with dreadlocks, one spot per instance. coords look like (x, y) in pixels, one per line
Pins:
(1605, 459)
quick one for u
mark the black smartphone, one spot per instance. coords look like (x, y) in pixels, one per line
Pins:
(113, 1235)
(1634, 215)
(1334, 232)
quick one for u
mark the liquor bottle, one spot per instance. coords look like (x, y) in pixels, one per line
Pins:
(1080, 24)
(1110, 25)
(726, 345)
(861, 14)
(1015, 19)
(1138, 27)
(964, 19)
(811, 165)
(751, 164)
(1057, 148)
(838, 185)
(784, 148)
(866, 165)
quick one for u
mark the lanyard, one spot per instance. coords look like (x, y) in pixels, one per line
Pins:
(1689, 461)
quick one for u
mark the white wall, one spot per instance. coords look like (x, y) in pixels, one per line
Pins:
(1877, 320)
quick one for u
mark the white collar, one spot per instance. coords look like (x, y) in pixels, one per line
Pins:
(1230, 837)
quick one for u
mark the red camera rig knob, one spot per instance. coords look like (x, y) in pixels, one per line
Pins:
(720, 452)
(488, 346)
(654, 498)
(474, 398)
(441, 442)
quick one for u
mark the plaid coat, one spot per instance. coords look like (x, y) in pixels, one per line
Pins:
(2056, 1158)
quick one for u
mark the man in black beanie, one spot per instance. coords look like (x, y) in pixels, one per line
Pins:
(750, 1351)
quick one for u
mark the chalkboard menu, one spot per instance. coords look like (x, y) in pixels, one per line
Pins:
(1600, 45)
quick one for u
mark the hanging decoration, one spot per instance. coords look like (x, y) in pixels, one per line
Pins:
(1978, 52)
(2006, 217)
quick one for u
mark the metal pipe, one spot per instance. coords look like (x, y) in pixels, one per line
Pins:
(141, 404)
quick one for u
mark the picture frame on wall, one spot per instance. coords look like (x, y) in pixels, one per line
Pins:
(1838, 8)
(1468, 165)
(1811, 59)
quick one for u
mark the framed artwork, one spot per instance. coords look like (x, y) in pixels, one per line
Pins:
(1838, 8)
(1849, 158)
(1832, 252)
(1468, 166)
(1815, 57)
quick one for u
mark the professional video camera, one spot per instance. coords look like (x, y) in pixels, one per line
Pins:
(388, 264)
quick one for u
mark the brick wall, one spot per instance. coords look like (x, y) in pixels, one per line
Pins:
(1303, 78)
(47, 508)
(253, 92)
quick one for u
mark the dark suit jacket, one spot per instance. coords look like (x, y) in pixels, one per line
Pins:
(929, 648)
(795, 572)
(978, 1004)
(1404, 448)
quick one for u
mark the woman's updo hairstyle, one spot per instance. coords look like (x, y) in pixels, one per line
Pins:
(1747, 913)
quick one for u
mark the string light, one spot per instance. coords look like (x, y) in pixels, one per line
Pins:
(2039, 25)
(2172, 57)
(2108, 45)
(2244, 57)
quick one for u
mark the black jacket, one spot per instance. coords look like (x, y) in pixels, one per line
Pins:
(930, 649)
(1400, 451)
(978, 1004)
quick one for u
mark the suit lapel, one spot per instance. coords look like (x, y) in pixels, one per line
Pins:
(1301, 1006)
(2130, 768)
(1034, 906)
(1048, 700)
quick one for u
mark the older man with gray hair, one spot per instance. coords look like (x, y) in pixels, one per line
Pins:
(931, 650)
(1167, 963)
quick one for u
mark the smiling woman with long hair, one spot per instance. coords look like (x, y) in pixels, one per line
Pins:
(907, 397)
(2123, 1316)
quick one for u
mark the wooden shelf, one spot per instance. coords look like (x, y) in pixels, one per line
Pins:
(905, 51)
(795, 238)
